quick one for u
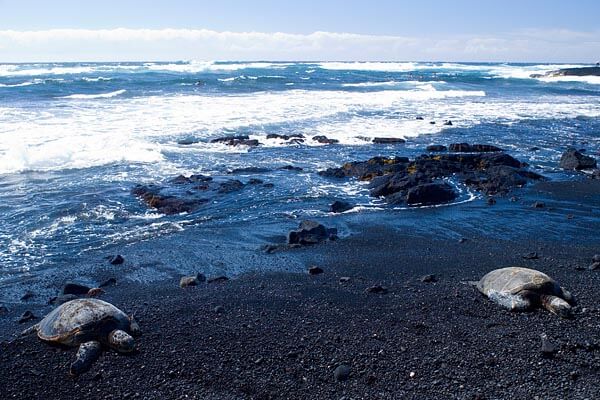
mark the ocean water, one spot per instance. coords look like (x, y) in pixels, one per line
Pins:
(76, 137)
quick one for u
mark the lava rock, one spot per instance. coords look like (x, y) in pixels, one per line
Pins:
(377, 289)
(539, 204)
(193, 280)
(383, 140)
(341, 373)
(28, 295)
(574, 160)
(448, 123)
(291, 168)
(531, 256)
(339, 206)
(345, 279)
(249, 170)
(116, 260)
(219, 310)
(430, 194)
(324, 140)
(311, 232)
(75, 289)
(240, 140)
(595, 265)
(429, 278)
(436, 148)
(548, 349)
(314, 270)
(27, 316)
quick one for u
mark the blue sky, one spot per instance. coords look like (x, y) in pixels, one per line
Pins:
(526, 30)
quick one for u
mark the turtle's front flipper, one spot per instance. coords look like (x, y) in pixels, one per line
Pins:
(557, 306)
(86, 355)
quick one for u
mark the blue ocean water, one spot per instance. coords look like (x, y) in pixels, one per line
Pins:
(76, 137)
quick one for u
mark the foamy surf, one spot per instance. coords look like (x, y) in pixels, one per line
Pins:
(95, 96)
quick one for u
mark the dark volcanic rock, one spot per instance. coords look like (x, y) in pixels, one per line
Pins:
(574, 160)
(436, 148)
(377, 289)
(382, 140)
(240, 140)
(578, 71)
(430, 194)
(249, 170)
(324, 140)
(311, 232)
(26, 316)
(291, 168)
(314, 270)
(116, 260)
(341, 373)
(108, 282)
(75, 288)
(3, 309)
(230, 186)
(448, 123)
(165, 204)
(429, 278)
(63, 298)
(193, 280)
(548, 349)
(285, 137)
(339, 206)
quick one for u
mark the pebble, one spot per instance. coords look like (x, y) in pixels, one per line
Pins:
(314, 270)
(377, 289)
(27, 316)
(596, 258)
(531, 256)
(116, 260)
(193, 280)
(548, 349)
(28, 295)
(594, 266)
(341, 373)
(462, 240)
(344, 279)
(219, 309)
(539, 204)
(428, 278)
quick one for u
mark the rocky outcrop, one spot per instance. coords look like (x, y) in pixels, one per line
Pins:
(574, 160)
(339, 206)
(324, 140)
(311, 232)
(240, 140)
(421, 181)
(385, 140)
(475, 148)
(582, 71)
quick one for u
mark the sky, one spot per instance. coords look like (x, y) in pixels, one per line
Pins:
(376, 30)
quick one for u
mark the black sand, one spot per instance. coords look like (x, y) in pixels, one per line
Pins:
(282, 335)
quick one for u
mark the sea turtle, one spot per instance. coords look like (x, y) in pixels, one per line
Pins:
(89, 324)
(521, 289)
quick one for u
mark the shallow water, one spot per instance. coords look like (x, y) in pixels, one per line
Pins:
(75, 138)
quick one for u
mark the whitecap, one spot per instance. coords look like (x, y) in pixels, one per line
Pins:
(95, 96)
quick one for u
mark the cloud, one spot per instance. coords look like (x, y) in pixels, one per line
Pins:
(201, 44)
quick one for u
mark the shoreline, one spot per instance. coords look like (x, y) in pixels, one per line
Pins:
(268, 335)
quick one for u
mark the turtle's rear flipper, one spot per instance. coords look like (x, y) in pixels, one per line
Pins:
(86, 355)
(557, 306)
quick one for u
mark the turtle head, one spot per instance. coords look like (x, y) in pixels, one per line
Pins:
(121, 341)
(557, 306)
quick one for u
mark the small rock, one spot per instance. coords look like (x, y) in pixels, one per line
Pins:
(491, 201)
(218, 279)
(75, 288)
(27, 316)
(108, 282)
(377, 289)
(596, 258)
(448, 123)
(419, 118)
(116, 260)
(219, 309)
(324, 140)
(339, 206)
(341, 373)
(193, 280)
(436, 148)
(314, 270)
(548, 349)
(534, 148)
(575, 160)
(595, 266)
(429, 278)
(270, 248)
(384, 140)
(531, 256)
(28, 295)
(539, 204)
(463, 240)
(345, 279)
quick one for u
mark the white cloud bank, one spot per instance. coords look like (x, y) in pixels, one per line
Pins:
(183, 44)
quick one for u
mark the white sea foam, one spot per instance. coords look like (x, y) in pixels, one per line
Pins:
(79, 134)
(98, 79)
(95, 96)
(26, 83)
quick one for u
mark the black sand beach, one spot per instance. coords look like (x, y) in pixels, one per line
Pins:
(281, 335)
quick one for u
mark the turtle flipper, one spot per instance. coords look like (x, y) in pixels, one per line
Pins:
(557, 306)
(30, 330)
(86, 355)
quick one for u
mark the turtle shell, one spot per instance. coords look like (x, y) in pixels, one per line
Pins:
(513, 280)
(81, 320)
